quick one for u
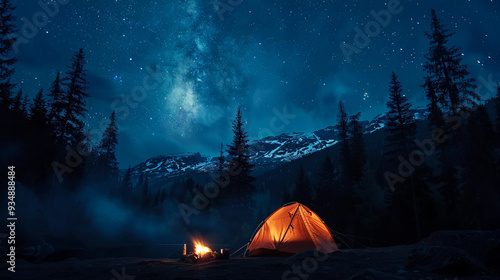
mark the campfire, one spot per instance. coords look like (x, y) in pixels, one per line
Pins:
(202, 253)
(201, 249)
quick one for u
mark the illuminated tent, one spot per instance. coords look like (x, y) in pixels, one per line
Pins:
(291, 229)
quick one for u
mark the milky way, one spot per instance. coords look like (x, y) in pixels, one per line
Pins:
(268, 57)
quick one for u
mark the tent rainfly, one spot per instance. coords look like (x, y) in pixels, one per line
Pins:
(291, 229)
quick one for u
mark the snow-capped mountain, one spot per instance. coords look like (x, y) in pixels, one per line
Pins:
(266, 153)
(172, 165)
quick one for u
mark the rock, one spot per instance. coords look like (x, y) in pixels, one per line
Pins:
(445, 260)
(370, 274)
(477, 243)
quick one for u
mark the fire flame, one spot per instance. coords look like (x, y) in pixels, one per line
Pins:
(201, 249)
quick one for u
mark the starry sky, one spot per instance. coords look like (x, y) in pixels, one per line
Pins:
(280, 60)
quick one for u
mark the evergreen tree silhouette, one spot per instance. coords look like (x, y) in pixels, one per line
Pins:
(446, 72)
(497, 108)
(55, 96)
(126, 190)
(38, 112)
(240, 187)
(221, 163)
(17, 103)
(70, 124)
(399, 143)
(449, 184)
(370, 201)
(302, 192)
(357, 148)
(400, 122)
(449, 88)
(343, 128)
(24, 104)
(41, 152)
(145, 192)
(107, 149)
(435, 116)
(480, 188)
(221, 179)
(325, 193)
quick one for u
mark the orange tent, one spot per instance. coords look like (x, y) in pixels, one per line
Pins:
(291, 229)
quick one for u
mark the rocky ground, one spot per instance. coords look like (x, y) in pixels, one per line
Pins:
(443, 255)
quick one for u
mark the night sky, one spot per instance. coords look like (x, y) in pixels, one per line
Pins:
(264, 56)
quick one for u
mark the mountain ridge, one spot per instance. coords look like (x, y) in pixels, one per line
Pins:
(267, 153)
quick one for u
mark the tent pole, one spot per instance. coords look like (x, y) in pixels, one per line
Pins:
(289, 225)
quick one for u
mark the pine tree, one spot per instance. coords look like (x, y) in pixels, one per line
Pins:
(480, 187)
(220, 167)
(55, 95)
(324, 188)
(14, 121)
(497, 107)
(239, 165)
(357, 148)
(370, 203)
(24, 105)
(435, 116)
(342, 122)
(302, 192)
(7, 55)
(326, 174)
(449, 188)
(107, 148)
(143, 186)
(343, 128)
(17, 102)
(221, 179)
(70, 124)
(449, 77)
(400, 122)
(126, 185)
(40, 152)
(38, 112)
(402, 129)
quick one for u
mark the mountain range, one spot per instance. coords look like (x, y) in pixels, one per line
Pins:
(266, 153)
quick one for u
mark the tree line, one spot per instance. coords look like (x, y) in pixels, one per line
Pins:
(414, 186)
